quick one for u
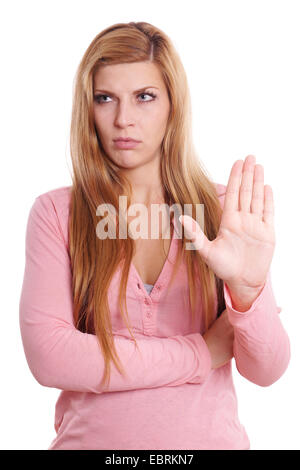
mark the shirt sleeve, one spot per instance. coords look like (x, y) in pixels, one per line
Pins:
(63, 357)
(261, 345)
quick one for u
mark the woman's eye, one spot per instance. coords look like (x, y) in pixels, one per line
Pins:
(149, 94)
(98, 98)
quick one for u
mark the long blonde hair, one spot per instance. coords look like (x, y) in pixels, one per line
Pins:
(96, 180)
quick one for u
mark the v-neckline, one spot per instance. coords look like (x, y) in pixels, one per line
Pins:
(163, 272)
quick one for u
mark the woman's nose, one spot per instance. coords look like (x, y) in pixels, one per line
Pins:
(124, 114)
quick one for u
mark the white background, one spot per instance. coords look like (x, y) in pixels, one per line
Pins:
(242, 62)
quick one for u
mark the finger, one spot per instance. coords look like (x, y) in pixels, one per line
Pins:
(257, 204)
(247, 184)
(268, 205)
(231, 202)
(193, 231)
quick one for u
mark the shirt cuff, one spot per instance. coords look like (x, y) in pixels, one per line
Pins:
(265, 300)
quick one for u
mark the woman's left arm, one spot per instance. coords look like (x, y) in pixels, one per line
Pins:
(241, 256)
(261, 346)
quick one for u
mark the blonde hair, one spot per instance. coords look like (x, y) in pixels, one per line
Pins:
(96, 180)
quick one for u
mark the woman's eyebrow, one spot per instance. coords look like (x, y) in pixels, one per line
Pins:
(136, 91)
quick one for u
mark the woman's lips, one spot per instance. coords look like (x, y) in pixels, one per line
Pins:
(123, 144)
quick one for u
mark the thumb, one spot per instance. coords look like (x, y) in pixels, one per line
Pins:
(193, 231)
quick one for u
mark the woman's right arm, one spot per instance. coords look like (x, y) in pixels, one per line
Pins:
(63, 357)
(219, 340)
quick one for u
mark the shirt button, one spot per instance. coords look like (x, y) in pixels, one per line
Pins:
(147, 301)
(148, 314)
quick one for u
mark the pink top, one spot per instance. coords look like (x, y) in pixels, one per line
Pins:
(172, 398)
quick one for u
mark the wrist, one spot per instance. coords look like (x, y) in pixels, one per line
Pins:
(242, 297)
(211, 346)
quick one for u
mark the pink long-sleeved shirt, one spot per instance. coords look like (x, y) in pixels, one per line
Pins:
(171, 397)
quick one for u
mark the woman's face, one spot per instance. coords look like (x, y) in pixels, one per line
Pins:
(122, 111)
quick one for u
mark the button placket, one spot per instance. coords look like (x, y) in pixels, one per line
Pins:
(147, 302)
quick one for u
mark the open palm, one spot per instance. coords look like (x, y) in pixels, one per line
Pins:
(242, 252)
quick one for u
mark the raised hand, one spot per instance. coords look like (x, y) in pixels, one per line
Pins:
(242, 252)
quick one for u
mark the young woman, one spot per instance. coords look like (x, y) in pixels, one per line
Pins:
(159, 375)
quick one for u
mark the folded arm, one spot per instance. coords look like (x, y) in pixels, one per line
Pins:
(61, 356)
